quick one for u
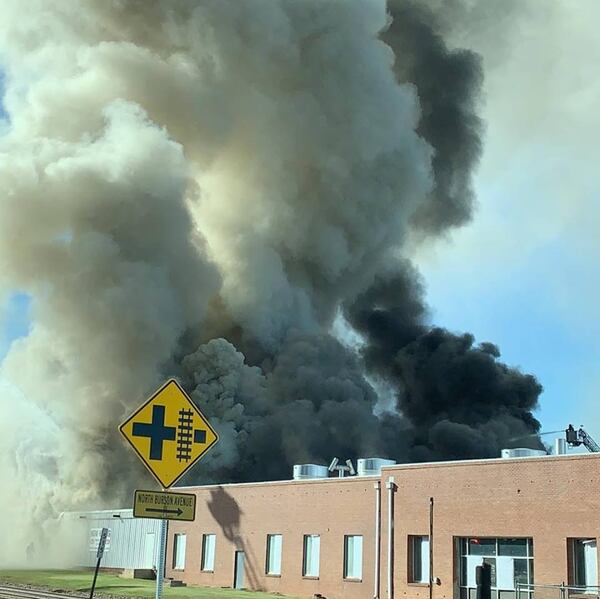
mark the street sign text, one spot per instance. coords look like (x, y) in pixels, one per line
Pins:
(163, 505)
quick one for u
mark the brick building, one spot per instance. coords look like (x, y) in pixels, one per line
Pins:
(534, 520)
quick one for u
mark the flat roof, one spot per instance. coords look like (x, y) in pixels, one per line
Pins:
(390, 469)
(292, 481)
(386, 470)
(101, 514)
(492, 461)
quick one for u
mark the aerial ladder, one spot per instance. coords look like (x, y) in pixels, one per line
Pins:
(573, 437)
(578, 437)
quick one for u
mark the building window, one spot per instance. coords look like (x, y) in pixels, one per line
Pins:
(179, 552)
(273, 555)
(353, 557)
(208, 553)
(310, 560)
(584, 564)
(418, 556)
(510, 561)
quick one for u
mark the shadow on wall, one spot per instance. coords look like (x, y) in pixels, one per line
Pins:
(226, 511)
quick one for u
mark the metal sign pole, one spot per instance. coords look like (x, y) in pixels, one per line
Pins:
(168, 450)
(99, 554)
(95, 577)
(162, 551)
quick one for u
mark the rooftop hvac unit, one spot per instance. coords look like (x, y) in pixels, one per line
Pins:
(308, 471)
(372, 466)
(522, 452)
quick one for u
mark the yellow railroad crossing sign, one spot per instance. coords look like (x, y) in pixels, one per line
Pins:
(164, 506)
(169, 433)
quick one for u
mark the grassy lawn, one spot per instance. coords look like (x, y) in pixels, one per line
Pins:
(109, 584)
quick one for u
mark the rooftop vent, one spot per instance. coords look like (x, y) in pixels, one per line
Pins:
(522, 452)
(560, 446)
(308, 471)
(372, 466)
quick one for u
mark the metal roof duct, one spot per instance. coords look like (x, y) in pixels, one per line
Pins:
(372, 466)
(560, 446)
(308, 471)
(522, 452)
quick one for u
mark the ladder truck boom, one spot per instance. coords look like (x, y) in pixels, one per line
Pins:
(581, 437)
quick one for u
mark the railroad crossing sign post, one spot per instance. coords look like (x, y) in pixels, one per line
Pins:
(169, 434)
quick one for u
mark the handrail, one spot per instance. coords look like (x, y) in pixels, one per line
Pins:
(557, 586)
(592, 589)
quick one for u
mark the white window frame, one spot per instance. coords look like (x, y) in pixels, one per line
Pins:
(503, 564)
(209, 548)
(274, 551)
(353, 547)
(589, 577)
(311, 563)
(179, 544)
(418, 555)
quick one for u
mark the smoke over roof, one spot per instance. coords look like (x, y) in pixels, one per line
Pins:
(461, 401)
(199, 190)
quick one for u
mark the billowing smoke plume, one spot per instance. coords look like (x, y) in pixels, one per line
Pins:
(448, 83)
(199, 189)
(461, 401)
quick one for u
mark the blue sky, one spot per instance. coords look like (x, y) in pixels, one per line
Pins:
(14, 320)
(530, 333)
(525, 274)
(529, 286)
(14, 307)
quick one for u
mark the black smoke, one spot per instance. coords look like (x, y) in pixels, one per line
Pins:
(448, 84)
(460, 399)
(315, 398)
(311, 403)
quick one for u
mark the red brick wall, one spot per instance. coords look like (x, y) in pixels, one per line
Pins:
(242, 515)
(548, 499)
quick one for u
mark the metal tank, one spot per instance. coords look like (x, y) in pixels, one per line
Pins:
(372, 466)
(522, 452)
(560, 446)
(309, 471)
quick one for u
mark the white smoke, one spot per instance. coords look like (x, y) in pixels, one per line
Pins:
(252, 160)
(97, 231)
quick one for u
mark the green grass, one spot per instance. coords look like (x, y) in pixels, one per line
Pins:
(109, 584)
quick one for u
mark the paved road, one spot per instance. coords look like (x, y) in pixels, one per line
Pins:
(16, 592)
